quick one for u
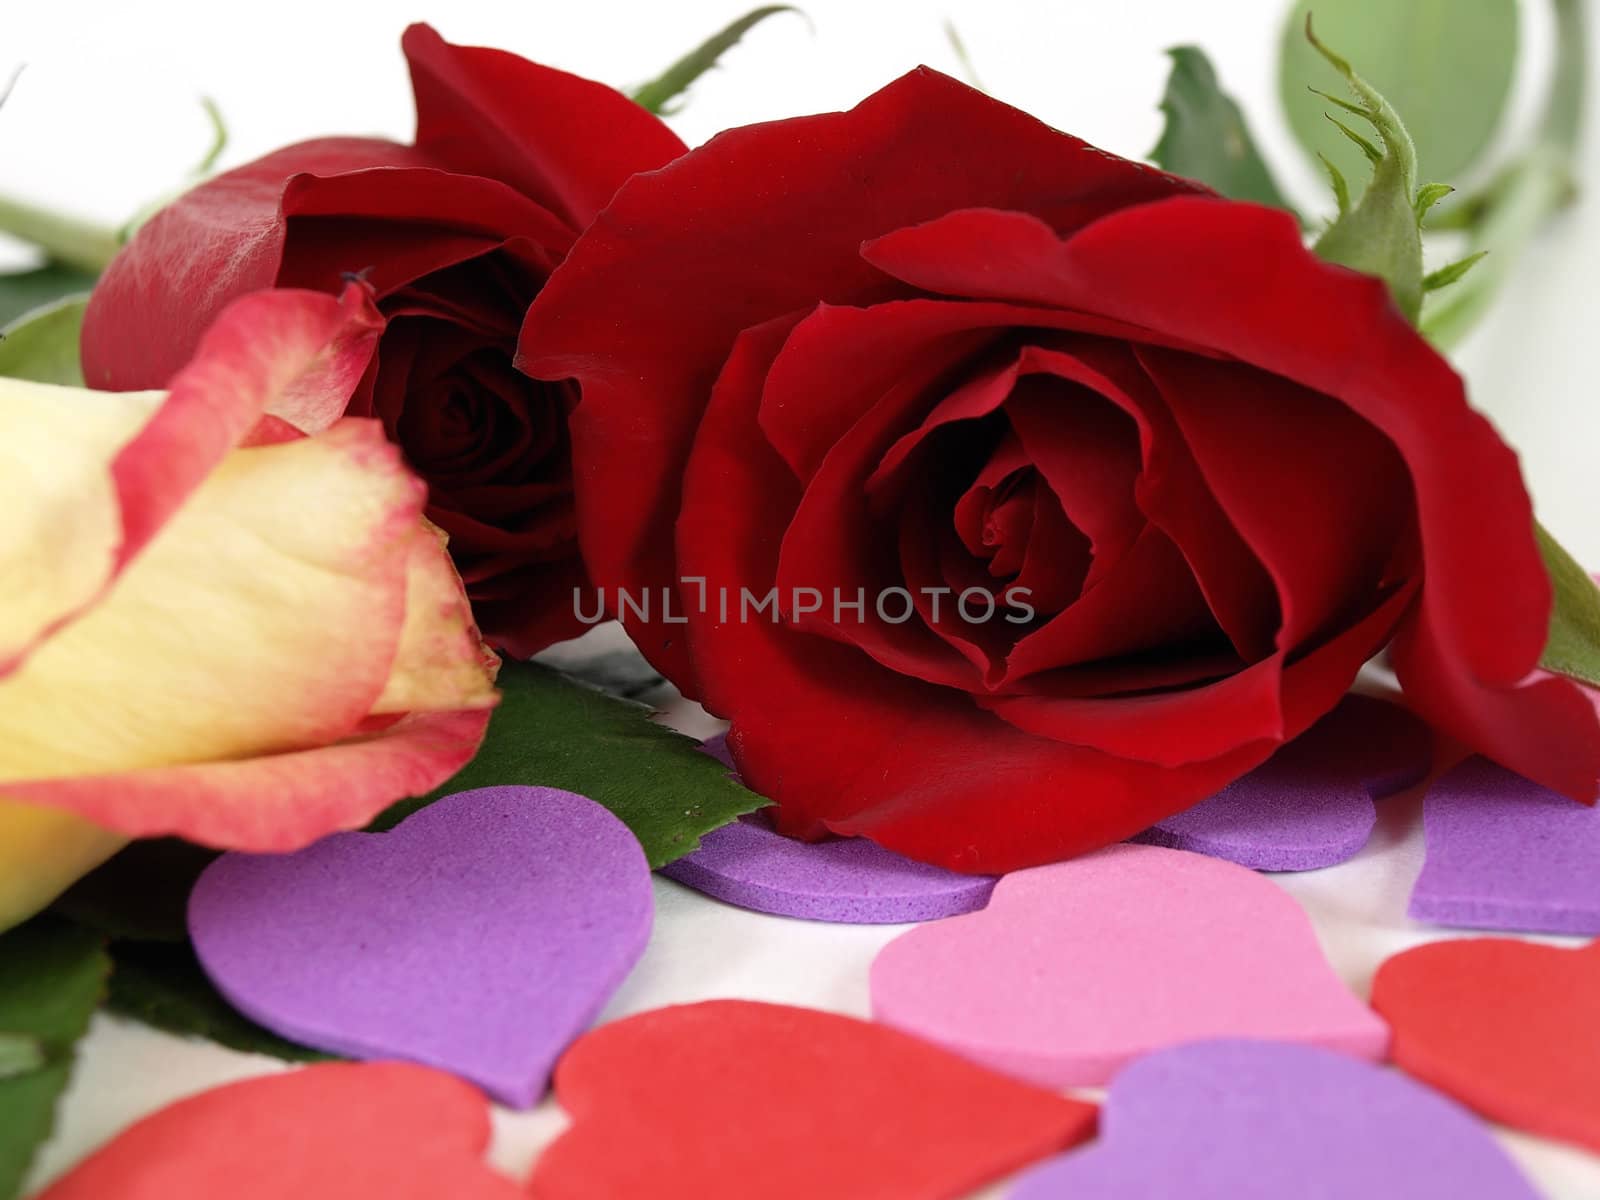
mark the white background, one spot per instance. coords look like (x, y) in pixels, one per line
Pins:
(105, 118)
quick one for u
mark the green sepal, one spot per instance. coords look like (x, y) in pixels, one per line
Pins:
(1446, 275)
(1573, 645)
(1381, 234)
(1206, 137)
(1428, 195)
(1336, 179)
(675, 80)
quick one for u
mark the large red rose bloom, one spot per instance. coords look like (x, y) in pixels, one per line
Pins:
(456, 233)
(933, 344)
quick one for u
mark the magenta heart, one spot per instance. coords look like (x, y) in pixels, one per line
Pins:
(1311, 804)
(1078, 968)
(1247, 1120)
(480, 935)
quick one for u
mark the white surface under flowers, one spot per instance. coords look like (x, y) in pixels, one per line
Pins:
(104, 118)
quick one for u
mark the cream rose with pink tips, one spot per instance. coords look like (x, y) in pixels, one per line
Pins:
(222, 615)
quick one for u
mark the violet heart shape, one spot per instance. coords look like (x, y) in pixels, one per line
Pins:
(1251, 1120)
(1312, 803)
(846, 880)
(1505, 853)
(480, 935)
(1077, 968)
(850, 881)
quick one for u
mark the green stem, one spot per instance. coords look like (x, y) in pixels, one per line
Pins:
(65, 239)
(1534, 188)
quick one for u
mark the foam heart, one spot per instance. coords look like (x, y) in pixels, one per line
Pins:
(1311, 804)
(1076, 968)
(1248, 1120)
(480, 935)
(736, 1099)
(1505, 853)
(1506, 1027)
(338, 1131)
(847, 880)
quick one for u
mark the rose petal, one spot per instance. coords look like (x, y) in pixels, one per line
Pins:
(1266, 699)
(1545, 727)
(1319, 494)
(439, 663)
(566, 142)
(58, 504)
(275, 802)
(214, 244)
(290, 354)
(263, 617)
(42, 852)
(396, 225)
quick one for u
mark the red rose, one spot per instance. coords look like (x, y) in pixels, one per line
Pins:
(931, 343)
(457, 233)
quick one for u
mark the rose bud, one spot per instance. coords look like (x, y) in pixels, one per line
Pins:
(456, 233)
(214, 626)
(1187, 477)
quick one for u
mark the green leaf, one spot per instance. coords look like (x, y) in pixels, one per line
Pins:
(675, 80)
(162, 985)
(42, 345)
(52, 975)
(1447, 65)
(141, 893)
(23, 291)
(1573, 647)
(1380, 234)
(552, 732)
(20, 1054)
(1206, 137)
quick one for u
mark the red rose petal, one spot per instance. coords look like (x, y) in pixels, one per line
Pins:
(215, 243)
(1321, 496)
(564, 141)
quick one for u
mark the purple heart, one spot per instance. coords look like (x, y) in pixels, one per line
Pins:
(847, 880)
(1505, 853)
(1251, 1120)
(850, 881)
(480, 935)
(1312, 803)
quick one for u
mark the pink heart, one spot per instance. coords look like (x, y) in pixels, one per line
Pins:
(1075, 969)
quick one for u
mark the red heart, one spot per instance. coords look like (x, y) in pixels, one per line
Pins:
(1506, 1027)
(736, 1099)
(337, 1131)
